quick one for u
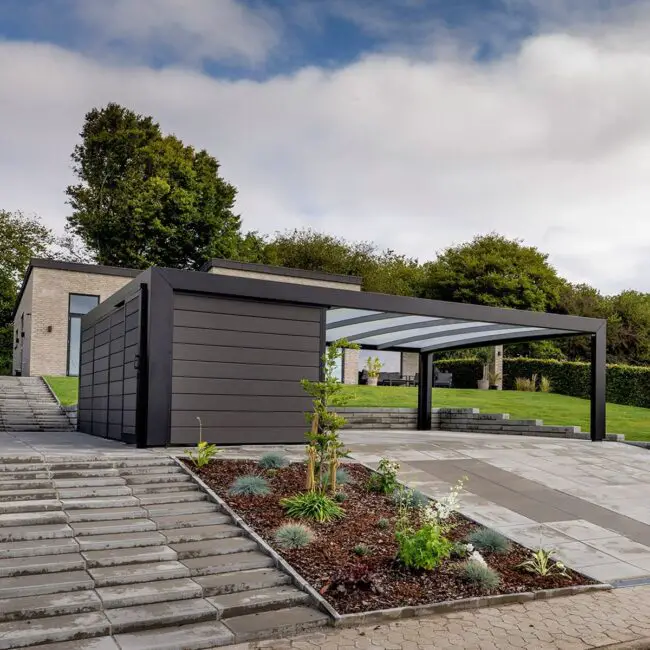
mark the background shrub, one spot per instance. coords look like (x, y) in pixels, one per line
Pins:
(312, 505)
(342, 476)
(629, 385)
(273, 460)
(250, 485)
(410, 498)
(486, 539)
(291, 536)
(481, 576)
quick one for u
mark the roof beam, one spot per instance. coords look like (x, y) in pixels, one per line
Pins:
(526, 334)
(429, 323)
(462, 326)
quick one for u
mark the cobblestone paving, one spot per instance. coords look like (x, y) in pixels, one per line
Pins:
(584, 621)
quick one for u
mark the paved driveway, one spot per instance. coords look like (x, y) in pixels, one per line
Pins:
(590, 501)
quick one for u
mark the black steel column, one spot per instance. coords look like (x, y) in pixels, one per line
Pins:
(425, 385)
(142, 366)
(598, 379)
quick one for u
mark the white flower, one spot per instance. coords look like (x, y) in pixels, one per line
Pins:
(477, 557)
(469, 548)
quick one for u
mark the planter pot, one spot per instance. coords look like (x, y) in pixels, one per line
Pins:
(483, 384)
(372, 381)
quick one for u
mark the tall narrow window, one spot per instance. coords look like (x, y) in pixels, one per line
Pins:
(79, 304)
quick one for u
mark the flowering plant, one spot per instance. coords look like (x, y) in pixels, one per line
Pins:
(439, 512)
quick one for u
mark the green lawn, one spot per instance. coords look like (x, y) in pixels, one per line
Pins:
(66, 388)
(633, 421)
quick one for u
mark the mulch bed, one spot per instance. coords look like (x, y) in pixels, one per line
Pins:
(376, 581)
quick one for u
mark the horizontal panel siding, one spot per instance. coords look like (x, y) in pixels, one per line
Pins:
(238, 365)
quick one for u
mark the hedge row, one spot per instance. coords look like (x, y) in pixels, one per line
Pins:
(628, 385)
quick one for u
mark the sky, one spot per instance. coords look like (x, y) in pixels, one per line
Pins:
(416, 124)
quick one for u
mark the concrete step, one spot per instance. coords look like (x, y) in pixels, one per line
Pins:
(144, 593)
(51, 583)
(145, 461)
(190, 508)
(162, 488)
(92, 643)
(126, 501)
(187, 550)
(30, 505)
(174, 497)
(84, 473)
(201, 533)
(34, 532)
(258, 600)
(31, 548)
(157, 478)
(31, 519)
(12, 468)
(94, 492)
(87, 483)
(27, 607)
(276, 623)
(29, 494)
(155, 615)
(19, 484)
(186, 637)
(228, 583)
(187, 521)
(121, 541)
(147, 470)
(40, 564)
(106, 514)
(20, 634)
(112, 527)
(135, 555)
(72, 465)
(112, 576)
(213, 564)
(27, 475)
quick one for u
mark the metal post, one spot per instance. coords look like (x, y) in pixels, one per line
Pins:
(425, 385)
(598, 379)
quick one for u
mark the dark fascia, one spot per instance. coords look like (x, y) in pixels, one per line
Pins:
(42, 263)
(191, 281)
(281, 270)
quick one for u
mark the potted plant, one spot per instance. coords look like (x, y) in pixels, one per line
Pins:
(373, 368)
(484, 355)
(494, 378)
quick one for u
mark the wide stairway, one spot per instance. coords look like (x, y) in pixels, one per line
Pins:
(128, 553)
(26, 404)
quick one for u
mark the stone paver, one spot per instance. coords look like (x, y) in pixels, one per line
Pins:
(584, 621)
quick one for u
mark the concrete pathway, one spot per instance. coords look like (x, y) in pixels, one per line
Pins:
(595, 620)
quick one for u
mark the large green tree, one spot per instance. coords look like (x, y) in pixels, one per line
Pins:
(21, 238)
(496, 271)
(144, 198)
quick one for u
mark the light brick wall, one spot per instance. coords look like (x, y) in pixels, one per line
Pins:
(351, 366)
(23, 314)
(257, 275)
(51, 290)
(410, 364)
(496, 365)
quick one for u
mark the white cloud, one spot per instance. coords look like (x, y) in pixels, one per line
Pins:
(551, 145)
(192, 32)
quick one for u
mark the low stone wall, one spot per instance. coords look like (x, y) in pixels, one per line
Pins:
(459, 419)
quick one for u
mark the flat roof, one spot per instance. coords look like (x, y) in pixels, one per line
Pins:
(281, 270)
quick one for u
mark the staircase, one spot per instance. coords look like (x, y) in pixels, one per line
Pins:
(126, 552)
(26, 404)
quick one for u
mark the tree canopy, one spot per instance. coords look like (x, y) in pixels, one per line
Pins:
(144, 198)
(21, 238)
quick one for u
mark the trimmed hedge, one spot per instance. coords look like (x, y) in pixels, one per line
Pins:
(629, 385)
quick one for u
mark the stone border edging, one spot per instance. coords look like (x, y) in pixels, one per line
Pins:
(384, 615)
(279, 561)
(69, 411)
(639, 644)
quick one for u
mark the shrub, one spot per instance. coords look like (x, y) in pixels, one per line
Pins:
(524, 384)
(542, 565)
(312, 505)
(425, 548)
(204, 451)
(273, 460)
(409, 498)
(342, 476)
(383, 523)
(486, 539)
(250, 485)
(480, 575)
(384, 480)
(362, 550)
(459, 550)
(292, 536)
(340, 497)
(545, 385)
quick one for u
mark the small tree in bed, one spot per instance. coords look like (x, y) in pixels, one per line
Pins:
(325, 447)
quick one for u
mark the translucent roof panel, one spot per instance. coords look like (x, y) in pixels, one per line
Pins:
(386, 330)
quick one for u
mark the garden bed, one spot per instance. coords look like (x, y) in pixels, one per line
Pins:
(352, 582)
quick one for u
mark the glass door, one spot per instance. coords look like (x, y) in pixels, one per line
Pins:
(79, 304)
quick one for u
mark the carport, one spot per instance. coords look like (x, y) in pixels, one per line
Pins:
(173, 346)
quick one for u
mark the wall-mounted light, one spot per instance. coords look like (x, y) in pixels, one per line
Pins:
(49, 328)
